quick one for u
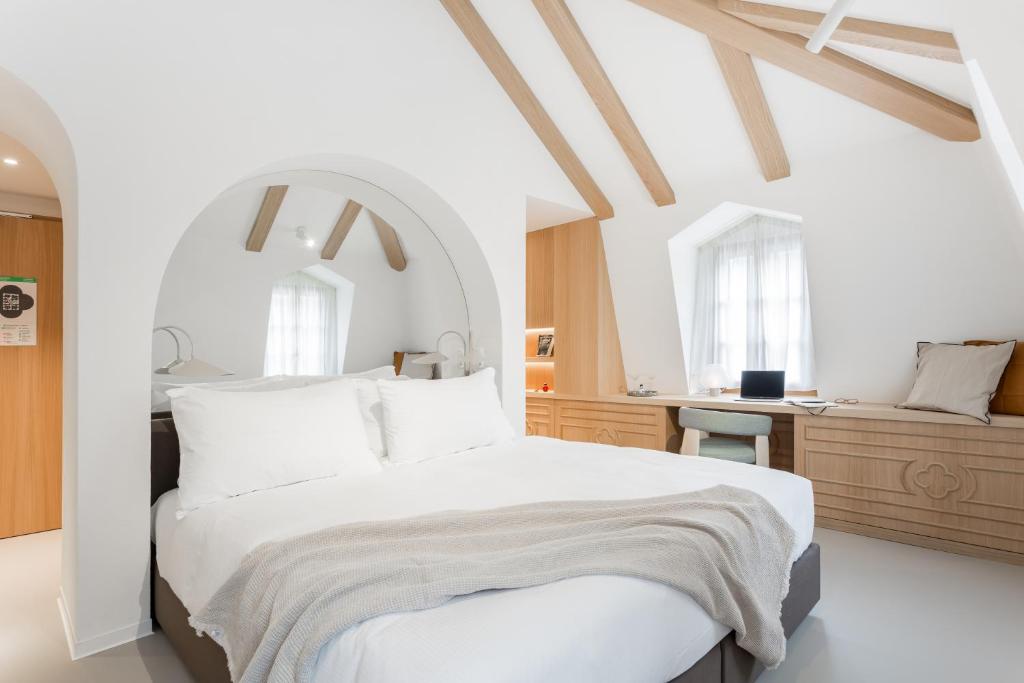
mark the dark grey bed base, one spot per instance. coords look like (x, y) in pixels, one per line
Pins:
(724, 663)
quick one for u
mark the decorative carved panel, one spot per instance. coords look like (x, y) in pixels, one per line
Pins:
(957, 487)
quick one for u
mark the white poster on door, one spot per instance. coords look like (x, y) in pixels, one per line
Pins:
(17, 311)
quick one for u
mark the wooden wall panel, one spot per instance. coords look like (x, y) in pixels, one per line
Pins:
(568, 289)
(611, 373)
(540, 279)
(31, 384)
(575, 299)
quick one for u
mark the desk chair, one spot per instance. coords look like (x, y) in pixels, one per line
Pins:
(699, 423)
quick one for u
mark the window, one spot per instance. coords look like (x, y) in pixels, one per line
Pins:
(302, 335)
(752, 310)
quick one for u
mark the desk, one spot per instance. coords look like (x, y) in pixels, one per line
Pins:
(932, 479)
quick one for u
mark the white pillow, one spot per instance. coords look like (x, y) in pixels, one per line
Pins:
(237, 442)
(959, 379)
(372, 411)
(271, 383)
(383, 372)
(427, 418)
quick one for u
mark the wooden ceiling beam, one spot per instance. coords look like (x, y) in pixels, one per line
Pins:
(505, 72)
(577, 50)
(911, 40)
(843, 74)
(341, 229)
(738, 70)
(265, 218)
(389, 240)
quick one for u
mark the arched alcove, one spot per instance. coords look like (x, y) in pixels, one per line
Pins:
(400, 199)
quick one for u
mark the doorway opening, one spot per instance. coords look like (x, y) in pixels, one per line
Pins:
(31, 343)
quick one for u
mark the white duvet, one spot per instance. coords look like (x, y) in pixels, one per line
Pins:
(597, 629)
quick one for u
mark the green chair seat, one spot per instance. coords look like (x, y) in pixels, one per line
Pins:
(727, 449)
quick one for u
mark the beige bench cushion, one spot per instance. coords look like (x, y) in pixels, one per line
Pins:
(1009, 397)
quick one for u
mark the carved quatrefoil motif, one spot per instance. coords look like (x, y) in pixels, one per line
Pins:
(607, 436)
(937, 481)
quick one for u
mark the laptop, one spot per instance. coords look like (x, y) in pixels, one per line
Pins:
(762, 385)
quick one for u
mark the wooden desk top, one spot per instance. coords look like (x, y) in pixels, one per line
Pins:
(869, 411)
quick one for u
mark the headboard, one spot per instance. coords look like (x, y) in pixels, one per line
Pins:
(164, 457)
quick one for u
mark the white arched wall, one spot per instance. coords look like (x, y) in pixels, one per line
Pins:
(25, 116)
(221, 294)
(392, 193)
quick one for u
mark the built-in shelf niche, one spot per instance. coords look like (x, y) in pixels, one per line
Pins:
(539, 369)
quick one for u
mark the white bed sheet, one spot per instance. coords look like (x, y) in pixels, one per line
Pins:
(595, 628)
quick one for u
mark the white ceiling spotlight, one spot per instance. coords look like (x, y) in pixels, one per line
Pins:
(829, 25)
(10, 161)
(303, 236)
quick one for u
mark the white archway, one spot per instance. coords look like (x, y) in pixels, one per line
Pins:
(25, 116)
(394, 192)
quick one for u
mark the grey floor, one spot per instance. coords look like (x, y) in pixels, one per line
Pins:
(889, 612)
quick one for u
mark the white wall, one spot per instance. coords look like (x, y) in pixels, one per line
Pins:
(158, 131)
(908, 240)
(220, 293)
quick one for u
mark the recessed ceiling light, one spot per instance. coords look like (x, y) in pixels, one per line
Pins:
(306, 240)
(10, 161)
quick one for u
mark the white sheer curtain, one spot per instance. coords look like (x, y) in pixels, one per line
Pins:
(752, 309)
(302, 335)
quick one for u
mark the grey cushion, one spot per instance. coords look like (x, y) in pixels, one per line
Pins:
(958, 379)
(722, 448)
(722, 422)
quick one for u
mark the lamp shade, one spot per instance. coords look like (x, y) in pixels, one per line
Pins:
(430, 358)
(714, 377)
(186, 367)
(193, 368)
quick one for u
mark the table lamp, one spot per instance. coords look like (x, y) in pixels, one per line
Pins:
(714, 378)
(186, 367)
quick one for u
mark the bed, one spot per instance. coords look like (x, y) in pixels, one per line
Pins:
(596, 628)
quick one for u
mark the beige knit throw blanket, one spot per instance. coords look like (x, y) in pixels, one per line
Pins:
(726, 547)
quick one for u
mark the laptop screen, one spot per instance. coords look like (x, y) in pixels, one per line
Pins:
(763, 384)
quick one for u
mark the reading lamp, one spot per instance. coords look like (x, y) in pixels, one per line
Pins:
(186, 367)
(472, 356)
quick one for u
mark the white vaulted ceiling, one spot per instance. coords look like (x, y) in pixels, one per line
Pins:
(667, 76)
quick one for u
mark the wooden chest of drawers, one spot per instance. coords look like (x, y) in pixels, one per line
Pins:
(951, 487)
(617, 424)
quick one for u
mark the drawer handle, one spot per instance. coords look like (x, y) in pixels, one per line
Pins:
(937, 481)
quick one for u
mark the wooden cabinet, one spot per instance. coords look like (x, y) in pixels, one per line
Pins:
(614, 424)
(951, 487)
(604, 422)
(540, 416)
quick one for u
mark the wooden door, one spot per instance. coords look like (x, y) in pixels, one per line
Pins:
(31, 384)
